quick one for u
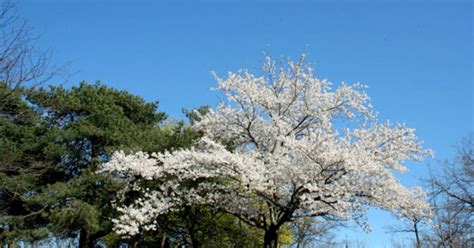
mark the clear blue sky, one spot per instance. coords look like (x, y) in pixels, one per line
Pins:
(416, 56)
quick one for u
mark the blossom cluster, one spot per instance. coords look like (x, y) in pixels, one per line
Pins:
(301, 148)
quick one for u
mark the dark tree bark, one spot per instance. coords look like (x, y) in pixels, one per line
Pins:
(84, 239)
(271, 237)
(417, 235)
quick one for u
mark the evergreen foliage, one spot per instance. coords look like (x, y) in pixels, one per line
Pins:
(52, 141)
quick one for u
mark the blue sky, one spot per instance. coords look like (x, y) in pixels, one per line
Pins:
(416, 56)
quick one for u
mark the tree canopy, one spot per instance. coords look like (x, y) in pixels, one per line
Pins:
(285, 145)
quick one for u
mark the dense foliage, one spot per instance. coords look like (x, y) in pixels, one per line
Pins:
(52, 141)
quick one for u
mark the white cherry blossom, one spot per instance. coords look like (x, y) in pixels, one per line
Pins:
(300, 147)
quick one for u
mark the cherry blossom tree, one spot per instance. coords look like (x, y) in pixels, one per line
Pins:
(284, 145)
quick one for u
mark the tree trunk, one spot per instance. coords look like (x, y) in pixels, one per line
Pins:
(85, 240)
(271, 237)
(163, 241)
(134, 241)
(418, 243)
(193, 227)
